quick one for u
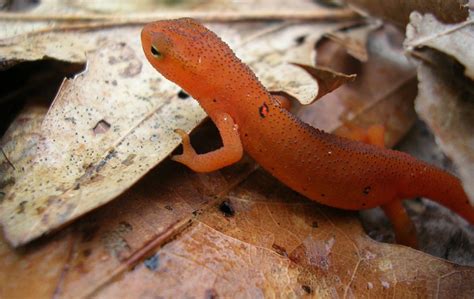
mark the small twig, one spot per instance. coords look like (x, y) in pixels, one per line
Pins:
(8, 160)
(221, 16)
(156, 242)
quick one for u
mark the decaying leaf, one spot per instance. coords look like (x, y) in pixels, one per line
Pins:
(398, 12)
(446, 97)
(178, 233)
(112, 123)
(184, 234)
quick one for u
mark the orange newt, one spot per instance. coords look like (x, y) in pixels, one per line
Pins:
(328, 169)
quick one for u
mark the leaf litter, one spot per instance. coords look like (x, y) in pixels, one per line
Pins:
(105, 243)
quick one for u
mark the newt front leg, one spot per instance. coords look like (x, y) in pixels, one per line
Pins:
(228, 154)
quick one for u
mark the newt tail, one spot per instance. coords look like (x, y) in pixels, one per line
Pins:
(440, 186)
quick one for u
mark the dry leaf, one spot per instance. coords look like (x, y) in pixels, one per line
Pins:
(328, 80)
(194, 237)
(398, 12)
(87, 151)
(191, 237)
(446, 97)
(112, 123)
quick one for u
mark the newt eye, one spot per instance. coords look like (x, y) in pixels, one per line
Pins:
(155, 52)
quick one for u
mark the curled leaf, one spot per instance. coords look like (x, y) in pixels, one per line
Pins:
(328, 80)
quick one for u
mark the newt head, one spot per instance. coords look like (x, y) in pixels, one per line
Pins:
(183, 50)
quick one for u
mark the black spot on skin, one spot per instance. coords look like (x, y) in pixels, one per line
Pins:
(315, 224)
(183, 95)
(322, 194)
(263, 110)
(214, 100)
(307, 289)
(366, 190)
(227, 208)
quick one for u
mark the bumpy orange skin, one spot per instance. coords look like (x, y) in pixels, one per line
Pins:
(326, 168)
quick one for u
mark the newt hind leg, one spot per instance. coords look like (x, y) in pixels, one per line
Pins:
(405, 232)
(229, 153)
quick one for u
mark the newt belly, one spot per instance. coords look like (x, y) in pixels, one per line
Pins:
(325, 168)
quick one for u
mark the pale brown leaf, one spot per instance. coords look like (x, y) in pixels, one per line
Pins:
(105, 129)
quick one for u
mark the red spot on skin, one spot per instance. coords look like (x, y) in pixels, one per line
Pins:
(263, 110)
